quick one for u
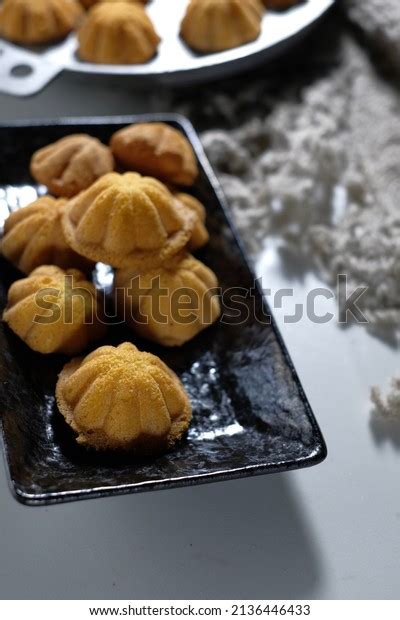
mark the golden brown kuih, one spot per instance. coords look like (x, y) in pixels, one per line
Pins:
(36, 22)
(33, 236)
(188, 304)
(88, 3)
(54, 311)
(117, 33)
(200, 236)
(217, 25)
(71, 164)
(119, 398)
(127, 219)
(156, 149)
(131, 1)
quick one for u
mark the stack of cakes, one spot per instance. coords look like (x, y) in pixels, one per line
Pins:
(119, 397)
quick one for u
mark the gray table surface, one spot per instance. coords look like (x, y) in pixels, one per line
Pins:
(327, 532)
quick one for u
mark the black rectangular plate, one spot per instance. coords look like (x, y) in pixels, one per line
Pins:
(251, 415)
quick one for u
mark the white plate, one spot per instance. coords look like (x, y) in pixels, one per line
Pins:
(25, 72)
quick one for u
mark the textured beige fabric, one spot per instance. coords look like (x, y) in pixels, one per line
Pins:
(311, 153)
(379, 20)
(285, 171)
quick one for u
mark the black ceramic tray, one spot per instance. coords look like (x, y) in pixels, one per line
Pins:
(250, 412)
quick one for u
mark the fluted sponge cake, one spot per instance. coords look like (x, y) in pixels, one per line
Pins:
(156, 149)
(200, 236)
(171, 304)
(217, 25)
(71, 164)
(31, 22)
(54, 311)
(34, 236)
(117, 33)
(122, 398)
(88, 3)
(126, 219)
